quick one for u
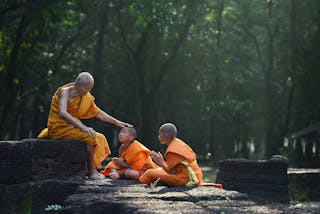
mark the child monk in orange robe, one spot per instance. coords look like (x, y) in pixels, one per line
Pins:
(181, 167)
(71, 103)
(134, 157)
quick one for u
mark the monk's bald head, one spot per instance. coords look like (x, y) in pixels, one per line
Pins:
(131, 131)
(84, 78)
(169, 129)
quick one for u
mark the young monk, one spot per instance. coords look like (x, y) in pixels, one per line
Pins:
(134, 158)
(181, 167)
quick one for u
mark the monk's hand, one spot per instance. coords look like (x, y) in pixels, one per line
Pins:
(156, 157)
(128, 125)
(123, 124)
(91, 132)
(117, 161)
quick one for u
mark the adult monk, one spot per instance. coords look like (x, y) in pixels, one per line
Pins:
(134, 158)
(69, 104)
(181, 167)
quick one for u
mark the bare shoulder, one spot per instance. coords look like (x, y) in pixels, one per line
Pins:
(65, 93)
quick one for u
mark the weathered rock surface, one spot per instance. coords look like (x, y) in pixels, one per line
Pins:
(35, 159)
(305, 183)
(38, 173)
(123, 196)
(260, 179)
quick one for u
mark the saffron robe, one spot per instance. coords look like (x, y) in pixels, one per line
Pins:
(137, 156)
(80, 107)
(181, 157)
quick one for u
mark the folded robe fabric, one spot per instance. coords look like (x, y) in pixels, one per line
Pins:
(80, 107)
(181, 157)
(137, 156)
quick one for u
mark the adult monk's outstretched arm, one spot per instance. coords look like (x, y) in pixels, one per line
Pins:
(108, 118)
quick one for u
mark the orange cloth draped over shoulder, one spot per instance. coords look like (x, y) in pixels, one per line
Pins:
(81, 107)
(181, 157)
(137, 156)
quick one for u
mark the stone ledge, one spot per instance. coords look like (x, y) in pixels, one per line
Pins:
(27, 165)
(40, 159)
(305, 183)
(260, 179)
(124, 196)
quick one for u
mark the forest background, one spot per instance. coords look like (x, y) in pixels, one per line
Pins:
(236, 77)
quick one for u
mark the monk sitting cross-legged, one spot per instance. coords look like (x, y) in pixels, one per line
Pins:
(134, 157)
(71, 103)
(181, 167)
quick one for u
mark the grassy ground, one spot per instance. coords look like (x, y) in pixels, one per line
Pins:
(209, 173)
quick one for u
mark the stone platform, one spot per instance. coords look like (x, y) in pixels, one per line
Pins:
(260, 179)
(37, 173)
(304, 183)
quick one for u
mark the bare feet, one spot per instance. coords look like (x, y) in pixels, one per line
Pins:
(95, 175)
(114, 175)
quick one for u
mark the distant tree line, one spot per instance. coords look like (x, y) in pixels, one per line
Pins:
(236, 77)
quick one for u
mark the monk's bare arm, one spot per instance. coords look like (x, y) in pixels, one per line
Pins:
(109, 119)
(63, 103)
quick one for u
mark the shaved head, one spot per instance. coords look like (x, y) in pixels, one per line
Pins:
(132, 131)
(169, 129)
(84, 78)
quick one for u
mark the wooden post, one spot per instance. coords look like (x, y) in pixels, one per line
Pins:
(317, 153)
(309, 144)
(299, 149)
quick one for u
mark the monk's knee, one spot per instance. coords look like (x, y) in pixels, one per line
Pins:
(131, 174)
(148, 177)
(100, 136)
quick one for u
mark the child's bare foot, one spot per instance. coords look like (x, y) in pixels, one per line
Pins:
(95, 175)
(114, 175)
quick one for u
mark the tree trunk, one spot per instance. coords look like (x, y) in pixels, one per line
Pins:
(148, 103)
(98, 65)
(149, 129)
(309, 144)
(244, 141)
(270, 141)
(11, 88)
(299, 149)
(317, 149)
(292, 72)
(215, 124)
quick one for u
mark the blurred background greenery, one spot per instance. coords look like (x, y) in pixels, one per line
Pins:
(236, 77)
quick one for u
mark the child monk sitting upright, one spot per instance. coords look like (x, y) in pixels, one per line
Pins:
(181, 167)
(134, 158)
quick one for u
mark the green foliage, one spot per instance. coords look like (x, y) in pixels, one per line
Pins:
(203, 65)
(160, 13)
(298, 191)
(53, 207)
(24, 205)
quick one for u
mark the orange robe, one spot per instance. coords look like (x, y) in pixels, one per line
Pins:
(81, 107)
(137, 156)
(181, 157)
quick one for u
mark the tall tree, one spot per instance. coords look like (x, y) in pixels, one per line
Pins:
(98, 68)
(149, 87)
(11, 84)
